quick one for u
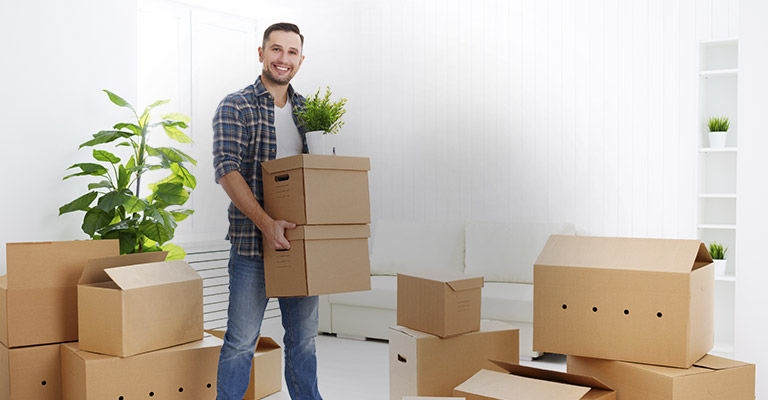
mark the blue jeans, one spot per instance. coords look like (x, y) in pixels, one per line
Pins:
(247, 303)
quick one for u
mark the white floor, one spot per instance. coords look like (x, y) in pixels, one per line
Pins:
(351, 369)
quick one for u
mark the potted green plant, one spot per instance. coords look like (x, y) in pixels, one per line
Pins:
(718, 126)
(114, 207)
(319, 117)
(717, 251)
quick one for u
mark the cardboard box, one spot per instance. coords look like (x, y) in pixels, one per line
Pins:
(38, 296)
(711, 378)
(441, 303)
(133, 304)
(640, 300)
(431, 398)
(266, 368)
(323, 259)
(421, 364)
(317, 189)
(32, 372)
(187, 371)
(520, 382)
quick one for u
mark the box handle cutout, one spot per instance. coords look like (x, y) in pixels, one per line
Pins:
(282, 178)
(658, 314)
(565, 306)
(43, 383)
(401, 359)
(626, 311)
(151, 394)
(594, 309)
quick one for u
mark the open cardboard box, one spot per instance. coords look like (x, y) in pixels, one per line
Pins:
(32, 372)
(266, 368)
(186, 371)
(521, 382)
(137, 303)
(38, 296)
(323, 259)
(640, 300)
(310, 189)
(421, 364)
(711, 377)
(440, 302)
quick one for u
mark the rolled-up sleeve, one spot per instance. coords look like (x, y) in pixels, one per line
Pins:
(230, 137)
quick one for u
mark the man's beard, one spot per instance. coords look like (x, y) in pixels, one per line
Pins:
(266, 73)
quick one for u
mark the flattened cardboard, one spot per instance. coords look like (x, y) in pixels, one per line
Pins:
(266, 368)
(309, 189)
(323, 259)
(639, 300)
(521, 382)
(32, 372)
(53, 264)
(129, 304)
(186, 371)
(421, 364)
(710, 378)
(441, 303)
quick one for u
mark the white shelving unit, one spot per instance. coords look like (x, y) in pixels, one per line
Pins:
(718, 77)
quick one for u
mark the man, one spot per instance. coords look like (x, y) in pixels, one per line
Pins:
(253, 125)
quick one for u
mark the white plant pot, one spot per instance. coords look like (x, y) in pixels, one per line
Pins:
(320, 142)
(717, 140)
(719, 267)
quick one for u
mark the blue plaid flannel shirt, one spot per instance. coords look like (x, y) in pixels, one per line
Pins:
(243, 136)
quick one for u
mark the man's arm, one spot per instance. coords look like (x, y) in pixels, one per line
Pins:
(273, 232)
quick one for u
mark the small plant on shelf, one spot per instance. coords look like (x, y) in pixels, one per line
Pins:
(718, 124)
(717, 251)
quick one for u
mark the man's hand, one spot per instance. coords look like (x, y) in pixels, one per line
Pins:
(274, 236)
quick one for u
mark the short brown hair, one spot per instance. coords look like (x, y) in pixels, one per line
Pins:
(282, 26)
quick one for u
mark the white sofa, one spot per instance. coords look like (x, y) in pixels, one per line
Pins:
(502, 252)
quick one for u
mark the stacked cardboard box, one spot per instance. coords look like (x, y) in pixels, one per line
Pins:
(140, 325)
(328, 198)
(440, 340)
(637, 314)
(38, 312)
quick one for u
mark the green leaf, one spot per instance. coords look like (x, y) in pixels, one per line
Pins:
(181, 215)
(102, 137)
(82, 203)
(132, 127)
(175, 252)
(96, 219)
(114, 199)
(100, 185)
(87, 169)
(156, 231)
(176, 134)
(123, 177)
(176, 118)
(155, 104)
(103, 155)
(172, 193)
(186, 177)
(134, 205)
(118, 100)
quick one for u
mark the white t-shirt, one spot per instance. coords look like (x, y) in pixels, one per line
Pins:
(288, 137)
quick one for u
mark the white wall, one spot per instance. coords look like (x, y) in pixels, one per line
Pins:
(751, 295)
(56, 57)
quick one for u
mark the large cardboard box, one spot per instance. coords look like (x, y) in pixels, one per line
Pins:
(186, 371)
(710, 378)
(266, 368)
(32, 372)
(440, 302)
(310, 189)
(133, 304)
(421, 364)
(323, 259)
(640, 300)
(520, 382)
(38, 296)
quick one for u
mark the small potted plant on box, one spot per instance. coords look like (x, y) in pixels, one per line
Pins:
(717, 251)
(718, 126)
(320, 117)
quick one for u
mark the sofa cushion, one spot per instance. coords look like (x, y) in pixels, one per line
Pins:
(383, 294)
(413, 246)
(507, 301)
(506, 251)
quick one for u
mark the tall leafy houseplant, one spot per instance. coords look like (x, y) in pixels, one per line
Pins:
(113, 206)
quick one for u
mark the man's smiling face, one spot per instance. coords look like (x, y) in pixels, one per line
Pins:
(281, 57)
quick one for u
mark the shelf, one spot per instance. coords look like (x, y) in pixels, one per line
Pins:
(724, 196)
(719, 150)
(717, 226)
(717, 73)
(725, 278)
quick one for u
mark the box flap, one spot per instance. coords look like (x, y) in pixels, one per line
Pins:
(499, 385)
(468, 283)
(152, 274)
(554, 376)
(639, 254)
(713, 362)
(314, 232)
(93, 271)
(317, 161)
